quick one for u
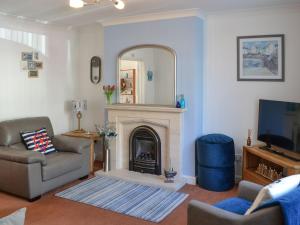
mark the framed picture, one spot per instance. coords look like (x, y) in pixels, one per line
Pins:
(33, 74)
(260, 58)
(31, 65)
(27, 56)
(39, 65)
(35, 56)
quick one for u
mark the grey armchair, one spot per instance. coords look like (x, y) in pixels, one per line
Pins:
(200, 213)
(30, 174)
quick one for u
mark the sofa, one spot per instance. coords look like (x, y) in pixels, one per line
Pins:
(30, 174)
(200, 213)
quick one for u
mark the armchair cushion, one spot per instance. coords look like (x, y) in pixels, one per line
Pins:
(59, 163)
(234, 205)
(70, 144)
(275, 190)
(19, 156)
(38, 141)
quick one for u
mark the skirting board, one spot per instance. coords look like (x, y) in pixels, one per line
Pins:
(189, 179)
(192, 180)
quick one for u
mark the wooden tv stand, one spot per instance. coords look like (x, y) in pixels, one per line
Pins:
(253, 156)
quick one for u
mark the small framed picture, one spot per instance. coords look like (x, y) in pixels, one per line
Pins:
(260, 58)
(27, 56)
(35, 56)
(39, 65)
(33, 74)
(31, 65)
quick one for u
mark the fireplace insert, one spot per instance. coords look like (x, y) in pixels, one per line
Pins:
(145, 151)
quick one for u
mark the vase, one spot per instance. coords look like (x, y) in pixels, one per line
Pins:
(106, 167)
(108, 99)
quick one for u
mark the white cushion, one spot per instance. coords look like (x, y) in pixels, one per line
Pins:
(16, 218)
(275, 190)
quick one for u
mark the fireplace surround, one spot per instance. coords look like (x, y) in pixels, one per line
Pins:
(145, 150)
(168, 123)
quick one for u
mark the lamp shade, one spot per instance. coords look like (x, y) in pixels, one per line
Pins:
(79, 105)
(76, 3)
(119, 4)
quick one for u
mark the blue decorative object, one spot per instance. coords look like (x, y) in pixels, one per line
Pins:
(178, 105)
(215, 157)
(234, 205)
(182, 102)
(150, 75)
(290, 206)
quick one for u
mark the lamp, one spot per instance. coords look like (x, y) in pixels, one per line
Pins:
(119, 4)
(78, 106)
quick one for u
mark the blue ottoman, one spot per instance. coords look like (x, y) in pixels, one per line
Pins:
(215, 162)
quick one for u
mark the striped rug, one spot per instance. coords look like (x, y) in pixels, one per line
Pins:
(144, 202)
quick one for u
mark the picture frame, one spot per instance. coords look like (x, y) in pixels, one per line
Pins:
(31, 65)
(33, 74)
(39, 65)
(27, 56)
(261, 58)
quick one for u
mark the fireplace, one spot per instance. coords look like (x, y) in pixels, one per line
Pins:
(145, 150)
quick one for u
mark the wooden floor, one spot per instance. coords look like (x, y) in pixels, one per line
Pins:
(51, 210)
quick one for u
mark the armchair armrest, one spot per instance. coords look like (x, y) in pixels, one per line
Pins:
(248, 190)
(70, 144)
(200, 213)
(21, 156)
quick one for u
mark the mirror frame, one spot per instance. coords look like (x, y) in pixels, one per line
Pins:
(147, 46)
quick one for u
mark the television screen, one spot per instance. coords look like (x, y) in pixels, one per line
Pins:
(279, 124)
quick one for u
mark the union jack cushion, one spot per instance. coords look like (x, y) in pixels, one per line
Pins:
(38, 141)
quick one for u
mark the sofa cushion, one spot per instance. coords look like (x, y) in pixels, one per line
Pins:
(275, 190)
(234, 205)
(60, 163)
(10, 130)
(38, 141)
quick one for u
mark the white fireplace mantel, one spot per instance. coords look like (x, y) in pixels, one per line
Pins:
(147, 108)
(166, 121)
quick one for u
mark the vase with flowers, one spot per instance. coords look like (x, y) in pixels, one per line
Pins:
(109, 91)
(109, 132)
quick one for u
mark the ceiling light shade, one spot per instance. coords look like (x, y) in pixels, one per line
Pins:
(76, 3)
(119, 4)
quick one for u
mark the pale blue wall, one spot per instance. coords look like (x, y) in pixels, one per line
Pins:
(185, 36)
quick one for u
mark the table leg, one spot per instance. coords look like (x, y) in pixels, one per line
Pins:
(92, 155)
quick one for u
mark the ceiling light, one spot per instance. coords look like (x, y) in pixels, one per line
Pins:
(119, 4)
(76, 4)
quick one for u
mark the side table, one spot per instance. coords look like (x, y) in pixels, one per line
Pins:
(93, 136)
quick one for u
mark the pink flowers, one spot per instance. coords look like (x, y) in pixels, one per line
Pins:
(109, 89)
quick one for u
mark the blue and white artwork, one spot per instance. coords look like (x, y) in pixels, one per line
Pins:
(260, 58)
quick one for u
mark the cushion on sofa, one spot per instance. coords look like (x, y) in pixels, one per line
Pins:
(38, 141)
(234, 205)
(275, 190)
(16, 218)
(60, 163)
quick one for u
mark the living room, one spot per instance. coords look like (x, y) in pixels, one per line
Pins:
(56, 58)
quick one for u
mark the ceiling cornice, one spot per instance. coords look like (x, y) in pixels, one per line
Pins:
(153, 17)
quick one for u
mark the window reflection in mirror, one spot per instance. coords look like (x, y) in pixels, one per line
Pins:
(147, 75)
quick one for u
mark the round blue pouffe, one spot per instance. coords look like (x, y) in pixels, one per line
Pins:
(215, 162)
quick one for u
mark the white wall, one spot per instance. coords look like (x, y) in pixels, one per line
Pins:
(231, 107)
(91, 44)
(51, 93)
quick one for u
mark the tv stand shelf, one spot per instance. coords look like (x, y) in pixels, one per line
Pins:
(253, 156)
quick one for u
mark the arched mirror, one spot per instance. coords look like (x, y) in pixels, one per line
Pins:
(147, 75)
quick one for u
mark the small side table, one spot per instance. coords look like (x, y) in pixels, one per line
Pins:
(93, 136)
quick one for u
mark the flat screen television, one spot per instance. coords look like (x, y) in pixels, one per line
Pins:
(279, 127)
